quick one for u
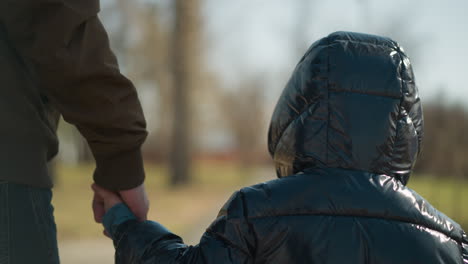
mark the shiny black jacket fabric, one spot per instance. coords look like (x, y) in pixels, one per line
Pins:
(344, 137)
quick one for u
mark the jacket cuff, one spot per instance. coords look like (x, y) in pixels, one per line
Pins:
(116, 216)
(120, 172)
(133, 235)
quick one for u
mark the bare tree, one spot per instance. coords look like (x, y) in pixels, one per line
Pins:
(149, 64)
(185, 62)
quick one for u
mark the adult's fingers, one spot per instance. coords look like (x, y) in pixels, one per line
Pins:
(98, 208)
(110, 198)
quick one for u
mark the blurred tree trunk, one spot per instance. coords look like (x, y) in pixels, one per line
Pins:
(151, 59)
(244, 116)
(184, 72)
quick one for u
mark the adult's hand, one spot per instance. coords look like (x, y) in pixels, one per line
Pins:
(109, 199)
(137, 200)
(98, 207)
(103, 200)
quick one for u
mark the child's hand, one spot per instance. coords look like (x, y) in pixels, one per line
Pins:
(104, 197)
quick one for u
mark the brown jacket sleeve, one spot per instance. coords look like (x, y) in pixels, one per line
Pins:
(68, 49)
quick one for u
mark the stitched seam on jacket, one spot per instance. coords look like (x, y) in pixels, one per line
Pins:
(364, 93)
(367, 43)
(227, 241)
(374, 216)
(398, 117)
(249, 224)
(306, 108)
(121, 234)
(401, 55)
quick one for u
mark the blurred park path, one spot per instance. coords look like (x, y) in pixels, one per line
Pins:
(91, 251)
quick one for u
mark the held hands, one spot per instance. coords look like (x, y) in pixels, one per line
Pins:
(136, 199)
(103, 200)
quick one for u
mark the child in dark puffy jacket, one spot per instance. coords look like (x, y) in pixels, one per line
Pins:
(344, 137)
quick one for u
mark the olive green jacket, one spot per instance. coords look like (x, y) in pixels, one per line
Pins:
(55, 58)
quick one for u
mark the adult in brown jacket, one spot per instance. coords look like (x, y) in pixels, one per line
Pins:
(55, 59)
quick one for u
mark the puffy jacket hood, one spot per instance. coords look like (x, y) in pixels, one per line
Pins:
(351, 103)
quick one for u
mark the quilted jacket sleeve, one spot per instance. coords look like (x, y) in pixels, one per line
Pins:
(227, 240)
